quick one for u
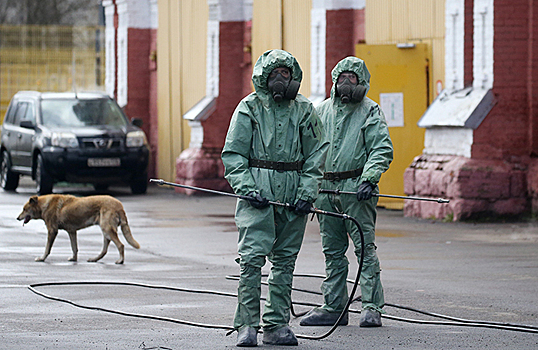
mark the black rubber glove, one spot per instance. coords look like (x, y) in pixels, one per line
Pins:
(302, 207)
(365, 191)
(257, 200)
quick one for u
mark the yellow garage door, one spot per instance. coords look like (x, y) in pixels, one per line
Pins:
(400, 83)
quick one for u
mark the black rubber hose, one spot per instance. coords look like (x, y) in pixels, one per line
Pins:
(458, 322)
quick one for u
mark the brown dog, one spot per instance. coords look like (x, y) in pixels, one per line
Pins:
(72, 213)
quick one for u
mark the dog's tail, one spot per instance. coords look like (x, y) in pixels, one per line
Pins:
(127, 230)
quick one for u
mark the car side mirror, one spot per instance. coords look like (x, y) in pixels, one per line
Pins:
(137, 122)
(27, 124)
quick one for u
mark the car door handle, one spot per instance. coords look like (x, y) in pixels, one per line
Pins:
(19, 136)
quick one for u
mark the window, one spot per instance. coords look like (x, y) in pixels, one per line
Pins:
(20, 113)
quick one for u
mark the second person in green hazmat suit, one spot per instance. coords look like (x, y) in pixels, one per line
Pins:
(273, 152)
(360, 151)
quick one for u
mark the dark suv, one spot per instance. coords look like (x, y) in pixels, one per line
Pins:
(77, 138)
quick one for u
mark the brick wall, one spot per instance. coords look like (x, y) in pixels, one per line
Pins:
(230, 83)
(153, 135)
(504, 132)
(344, 29)
(138, 80)
(500, 177)
(202, 167)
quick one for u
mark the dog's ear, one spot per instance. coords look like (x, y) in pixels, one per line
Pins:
(33, 200)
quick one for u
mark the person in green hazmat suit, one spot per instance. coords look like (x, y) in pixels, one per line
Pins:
(273, 152)
(360, 151)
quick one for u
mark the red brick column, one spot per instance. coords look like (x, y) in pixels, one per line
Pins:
(202, 167)
(468, 45)
(153, 123)
(344, 29)
(500, 177)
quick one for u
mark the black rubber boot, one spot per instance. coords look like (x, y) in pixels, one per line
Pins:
(370, 318)
(322, 317)
(281, 336)
(247, 336)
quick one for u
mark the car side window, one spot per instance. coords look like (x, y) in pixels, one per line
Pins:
(30, 113)
(10, 115)
(20, 113)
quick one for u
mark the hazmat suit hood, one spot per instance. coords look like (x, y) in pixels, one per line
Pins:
(351, 64)
(266, 63)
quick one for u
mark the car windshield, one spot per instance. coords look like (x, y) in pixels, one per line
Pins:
(77, 113)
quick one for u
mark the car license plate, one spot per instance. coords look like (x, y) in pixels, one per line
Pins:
(103, 162)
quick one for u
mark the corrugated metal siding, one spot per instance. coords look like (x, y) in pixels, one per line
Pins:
(283, 24)
(393, 21)
(378, 19)
(181, 75)
(194, 16)
(165, 79)
(266, 26)
(296, 36)
(389, 22)
(418, 21)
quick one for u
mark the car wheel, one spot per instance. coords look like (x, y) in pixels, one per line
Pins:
(139, 185)
(8, 179)
(43, 180)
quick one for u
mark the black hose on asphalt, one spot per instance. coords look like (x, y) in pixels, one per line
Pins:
(455, 321)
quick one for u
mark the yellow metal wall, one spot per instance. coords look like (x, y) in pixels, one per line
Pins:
(266, 26)
(296, 36)
(182, 47)
(404, 21)
(181, 75)
(283, 24)
(414, 21)
(399, 70)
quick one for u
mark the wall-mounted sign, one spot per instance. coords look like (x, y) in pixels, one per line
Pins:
(392, 106)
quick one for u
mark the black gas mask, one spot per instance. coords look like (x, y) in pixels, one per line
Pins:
(281, 87)
(350, 92)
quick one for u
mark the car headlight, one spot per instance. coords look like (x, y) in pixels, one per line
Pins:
(64, 139)
(136, 139)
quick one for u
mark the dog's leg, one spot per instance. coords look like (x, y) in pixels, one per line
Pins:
(50, 241)
(109, 225)
(74, 247)
(106, 242)
(121, 248)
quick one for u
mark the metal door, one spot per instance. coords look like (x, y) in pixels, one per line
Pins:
(400, 83)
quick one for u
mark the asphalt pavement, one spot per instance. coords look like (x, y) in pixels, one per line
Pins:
(479, 272)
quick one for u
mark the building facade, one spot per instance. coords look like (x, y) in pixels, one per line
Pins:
(470, 137)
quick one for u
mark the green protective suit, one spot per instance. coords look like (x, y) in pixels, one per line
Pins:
(359, 138)
(287, 131)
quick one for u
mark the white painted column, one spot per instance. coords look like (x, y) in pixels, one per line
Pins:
(131, 14)
(110, 47)
(483, 44)
(454, 44)
(317, 51)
